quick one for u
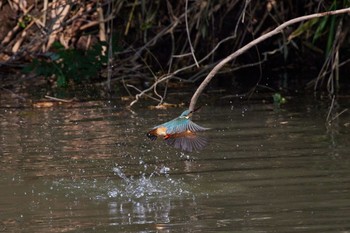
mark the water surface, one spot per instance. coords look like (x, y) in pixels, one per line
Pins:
(92, 169)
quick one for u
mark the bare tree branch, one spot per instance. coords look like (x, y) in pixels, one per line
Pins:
(240, 51)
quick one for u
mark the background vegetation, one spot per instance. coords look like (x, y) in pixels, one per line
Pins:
(126, 45)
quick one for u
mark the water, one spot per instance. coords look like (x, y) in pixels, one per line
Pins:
(90, 168)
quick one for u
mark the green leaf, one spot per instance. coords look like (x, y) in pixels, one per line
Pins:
(320, 29)
(331, 35)
(278, 99)
(61, 81)
(22, 24)
(57, 45)
(303, 28)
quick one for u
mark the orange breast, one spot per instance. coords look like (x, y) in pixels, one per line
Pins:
(161, 131)
(187, 133)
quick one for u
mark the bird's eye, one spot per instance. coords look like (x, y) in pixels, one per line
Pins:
(151, 136)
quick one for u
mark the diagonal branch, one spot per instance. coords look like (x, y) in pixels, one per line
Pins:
(240, 51)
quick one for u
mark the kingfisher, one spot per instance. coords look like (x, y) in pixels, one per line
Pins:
(180, 133)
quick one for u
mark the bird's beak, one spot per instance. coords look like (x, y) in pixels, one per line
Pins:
(196, 109)
(190, 114)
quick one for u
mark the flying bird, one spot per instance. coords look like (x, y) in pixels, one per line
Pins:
(180, 133)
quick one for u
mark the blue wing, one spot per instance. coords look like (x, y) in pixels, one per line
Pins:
(182, 125)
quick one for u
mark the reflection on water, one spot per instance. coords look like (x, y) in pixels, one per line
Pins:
(91, 169)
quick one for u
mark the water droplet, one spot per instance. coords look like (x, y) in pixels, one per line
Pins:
(164, 170)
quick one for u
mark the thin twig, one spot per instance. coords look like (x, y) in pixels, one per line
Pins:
(330, 65)
(138, 96)
(151, 97)
(59, 99)
(172, 75)
(181, 55)
(199, 75)
(110, 48)
(58, 14)
(336, 116)
(188, 35)
(157, 94)
(14, 94)
(102, 28)
(330, 108)
(130, 18)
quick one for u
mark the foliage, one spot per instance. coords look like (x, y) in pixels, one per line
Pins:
(154, 40)
(69, 64)
(324, 27)
(278, 99)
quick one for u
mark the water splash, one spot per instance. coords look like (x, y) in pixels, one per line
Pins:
(147, 186)
(122, 187)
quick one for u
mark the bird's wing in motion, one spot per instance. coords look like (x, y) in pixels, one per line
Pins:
(188, 143)
(180, 127)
